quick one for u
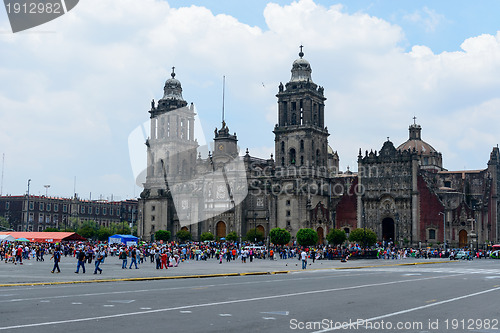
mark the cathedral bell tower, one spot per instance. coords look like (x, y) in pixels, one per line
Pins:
(171, 146)
(301, 138)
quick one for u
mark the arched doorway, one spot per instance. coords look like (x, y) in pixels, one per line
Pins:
(462, 238)
(261, 229)
(220, 228)
(388, 229)
(321, 235)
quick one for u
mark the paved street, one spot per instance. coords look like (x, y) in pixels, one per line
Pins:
(418, 298)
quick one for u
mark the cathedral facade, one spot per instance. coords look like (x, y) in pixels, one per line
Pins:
(402, 193)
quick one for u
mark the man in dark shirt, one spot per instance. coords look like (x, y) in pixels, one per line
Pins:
(81, 260)
(57, 258)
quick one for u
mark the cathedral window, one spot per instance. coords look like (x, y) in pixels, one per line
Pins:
(282, 146)
(432, 234)
(292, 156)
(282, 161)
(288, 213)
(301, 145)
(288, 202)
(294, 119)
(153, 208)
(301, 160)
(294, 106)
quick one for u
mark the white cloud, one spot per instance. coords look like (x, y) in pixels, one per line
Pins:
(427, 18)
(74, 96)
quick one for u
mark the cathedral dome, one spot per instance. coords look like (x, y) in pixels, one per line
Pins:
(415, 142)
(429, 158)
(173, 88)
(301, 69)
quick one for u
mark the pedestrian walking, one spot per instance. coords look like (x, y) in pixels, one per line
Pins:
(133, 258)
(303, 256)
(164, 258)
(123, 257)
(57, 257)
(81, 261)
(98, 260)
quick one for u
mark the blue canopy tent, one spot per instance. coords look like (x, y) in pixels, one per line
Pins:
(123, 239)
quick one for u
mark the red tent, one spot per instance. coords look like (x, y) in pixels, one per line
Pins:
(45, 237)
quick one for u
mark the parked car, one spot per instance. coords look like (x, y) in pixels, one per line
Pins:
(462, 255)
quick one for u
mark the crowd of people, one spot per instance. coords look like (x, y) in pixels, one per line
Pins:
(171, 254)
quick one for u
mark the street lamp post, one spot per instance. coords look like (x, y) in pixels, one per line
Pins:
(27, 207)
(255, 228)
(397, 240)
(444, 228)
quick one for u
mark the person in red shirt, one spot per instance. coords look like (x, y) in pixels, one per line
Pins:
(164, 258)
(19, 255)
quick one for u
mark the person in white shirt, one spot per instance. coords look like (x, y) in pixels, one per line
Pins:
(303, 256)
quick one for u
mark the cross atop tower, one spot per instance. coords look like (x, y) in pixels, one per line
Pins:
(173, 72)
(414, 120)
(301, 54)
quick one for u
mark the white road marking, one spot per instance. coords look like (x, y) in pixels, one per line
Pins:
(108, 305)
(173, 288)
(76, 303)
(145, 308)
(225, 314)
(123, 301)
(186, 311)
(281, 313)
(411, 310)
(244, 300)
(268, 318)
(45, 301)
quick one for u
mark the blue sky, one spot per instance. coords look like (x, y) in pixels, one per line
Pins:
(76, 88)
(441, 25)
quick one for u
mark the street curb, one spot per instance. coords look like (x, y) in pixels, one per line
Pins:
(154, 278)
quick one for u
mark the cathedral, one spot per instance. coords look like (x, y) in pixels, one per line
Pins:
(402, 193)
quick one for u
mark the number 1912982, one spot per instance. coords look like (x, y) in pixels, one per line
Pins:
(471, 324)
(34, 8)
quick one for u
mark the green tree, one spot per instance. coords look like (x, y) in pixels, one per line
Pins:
(103, 233)
(232, 236)
(183, 235)
(279, 236)
(163, 235)
(364, 236)
(307, 237)
(4, 224)
(88, 229)
(206, 236)
(123, 230)
(336, 236)
(255, 235)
